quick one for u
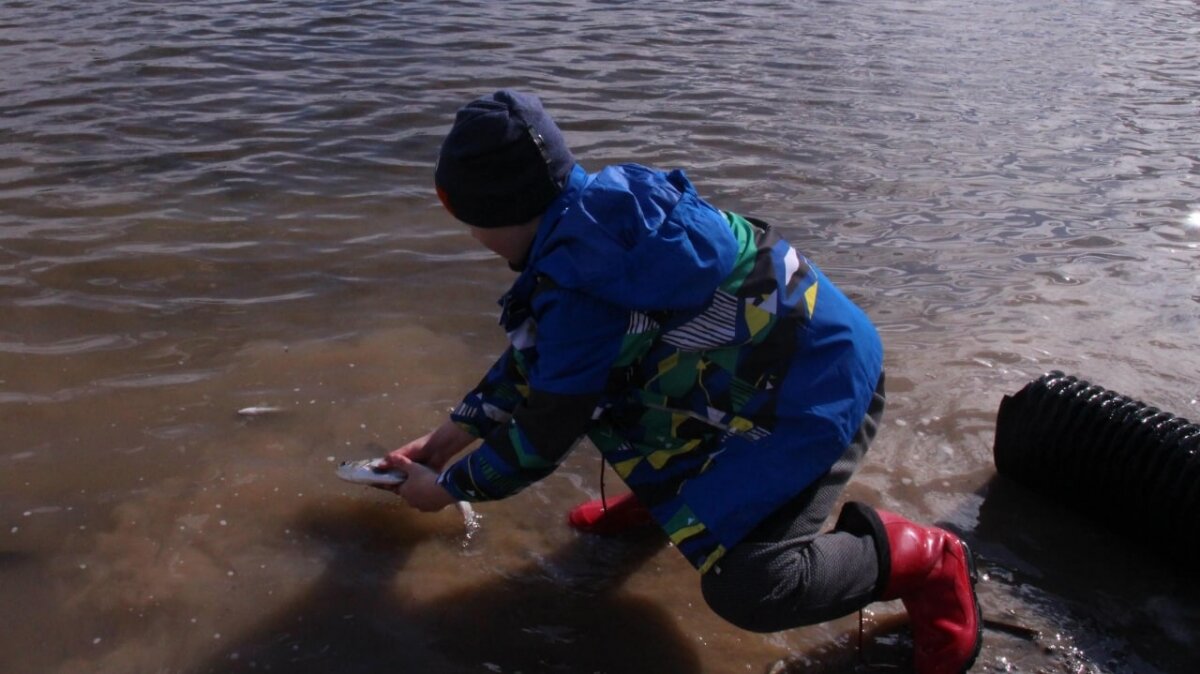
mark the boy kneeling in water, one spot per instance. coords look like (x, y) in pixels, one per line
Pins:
(730, 384)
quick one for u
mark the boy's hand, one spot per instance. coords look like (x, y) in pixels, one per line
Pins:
(415, 450)
(434, 449)
(421, 489)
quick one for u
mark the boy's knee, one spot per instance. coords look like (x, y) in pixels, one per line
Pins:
(738, 603)
(767, 593)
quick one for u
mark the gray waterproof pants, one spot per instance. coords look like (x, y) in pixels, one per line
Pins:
(786, 573)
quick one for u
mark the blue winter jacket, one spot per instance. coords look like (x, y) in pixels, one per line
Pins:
(717, 370)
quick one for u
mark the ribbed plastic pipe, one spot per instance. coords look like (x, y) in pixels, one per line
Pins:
(1126, 464)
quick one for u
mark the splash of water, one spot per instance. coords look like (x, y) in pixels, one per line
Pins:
(470, 521)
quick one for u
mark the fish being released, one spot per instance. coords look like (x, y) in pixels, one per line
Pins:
(376, 473)
(372, 472)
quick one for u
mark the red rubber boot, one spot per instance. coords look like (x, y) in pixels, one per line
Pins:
(623, 513)
(933, 573)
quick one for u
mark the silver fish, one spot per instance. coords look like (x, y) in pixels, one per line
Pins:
(370, 471)
(375, 473)
(259, 411)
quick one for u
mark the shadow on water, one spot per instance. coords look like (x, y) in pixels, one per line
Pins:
(15, 558)
(27, 582)
(1102, 600)
(561, 614)
(1060, 594)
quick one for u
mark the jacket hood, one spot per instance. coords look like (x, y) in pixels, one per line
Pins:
(636, 238)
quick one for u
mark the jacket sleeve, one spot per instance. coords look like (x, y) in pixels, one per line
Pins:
(577, 341)
(491, 403)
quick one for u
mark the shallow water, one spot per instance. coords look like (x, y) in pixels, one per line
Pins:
(216, 205)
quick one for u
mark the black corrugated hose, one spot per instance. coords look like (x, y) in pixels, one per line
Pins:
(1128, 465)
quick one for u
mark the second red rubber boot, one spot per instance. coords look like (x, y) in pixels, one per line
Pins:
(622, 514)
(932, 571)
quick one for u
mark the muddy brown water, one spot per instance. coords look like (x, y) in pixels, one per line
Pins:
(213, 205)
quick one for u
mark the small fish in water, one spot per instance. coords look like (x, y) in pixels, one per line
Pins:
(373, 472)
(259, 411)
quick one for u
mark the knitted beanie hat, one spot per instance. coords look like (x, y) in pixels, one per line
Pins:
(503, 161)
